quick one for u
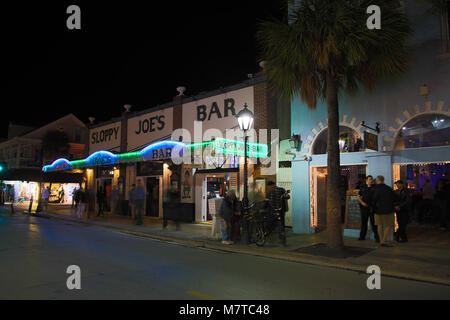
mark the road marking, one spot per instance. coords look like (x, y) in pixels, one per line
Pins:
(200, 295)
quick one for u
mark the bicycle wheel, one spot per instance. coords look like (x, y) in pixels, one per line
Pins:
(260, 237)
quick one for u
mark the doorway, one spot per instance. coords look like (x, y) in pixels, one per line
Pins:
(216, 187)
(106, 185)
(152, 205)
(351, 178)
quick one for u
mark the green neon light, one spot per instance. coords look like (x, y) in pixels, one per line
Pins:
(129, 157)
(199, 144)
(78, 163)
(251, 154)
(229, 146)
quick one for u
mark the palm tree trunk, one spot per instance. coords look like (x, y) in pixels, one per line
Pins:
(334, 228)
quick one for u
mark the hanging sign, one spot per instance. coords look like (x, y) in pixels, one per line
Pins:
(371, 141)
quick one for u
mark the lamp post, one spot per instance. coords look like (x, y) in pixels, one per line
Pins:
(245, 118)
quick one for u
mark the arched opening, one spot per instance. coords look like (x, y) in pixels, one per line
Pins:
(349, 141)
(427, 130)
(427, 182)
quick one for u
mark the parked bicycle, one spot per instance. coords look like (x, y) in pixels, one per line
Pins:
(264, 220)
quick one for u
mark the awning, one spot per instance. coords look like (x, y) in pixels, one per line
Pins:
(37, 175)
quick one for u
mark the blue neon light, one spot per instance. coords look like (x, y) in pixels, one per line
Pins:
(59, 164)
(147, 152)
(101, 158)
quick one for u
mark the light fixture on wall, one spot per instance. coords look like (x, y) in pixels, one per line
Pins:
(295, 142)
(377, 127)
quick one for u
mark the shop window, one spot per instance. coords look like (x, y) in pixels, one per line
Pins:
(349, 141)
(430, 130)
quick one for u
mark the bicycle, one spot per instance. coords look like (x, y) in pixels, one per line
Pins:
(263, 221)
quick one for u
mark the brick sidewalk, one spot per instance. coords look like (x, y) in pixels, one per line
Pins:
(418, 260)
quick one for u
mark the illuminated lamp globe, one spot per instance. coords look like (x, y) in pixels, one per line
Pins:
(245, 118)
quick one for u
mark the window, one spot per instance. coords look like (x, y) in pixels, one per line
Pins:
(349, 141)
(429, 130)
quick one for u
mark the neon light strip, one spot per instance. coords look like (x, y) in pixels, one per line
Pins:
(108, 158)
(253, 149)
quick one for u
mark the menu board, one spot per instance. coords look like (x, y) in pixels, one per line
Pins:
(352, 210)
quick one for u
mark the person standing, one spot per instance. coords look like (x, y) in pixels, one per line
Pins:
(45, 196)
(11, 194)
(278, 198)
(365, 205)
(77, 196)
(100, 201)
(139, 198)
(426, 204)
(61, 194)
(82, 204)
(235, 222)
(131, 200)
(402, 208)
(383, 200)
(226, 211)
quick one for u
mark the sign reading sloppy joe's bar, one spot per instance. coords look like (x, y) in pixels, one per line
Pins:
(105, 138)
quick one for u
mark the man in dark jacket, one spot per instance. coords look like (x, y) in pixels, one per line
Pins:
(100, 201)
(383, 199)
(402, 211)
(226, 211)
(365, 204)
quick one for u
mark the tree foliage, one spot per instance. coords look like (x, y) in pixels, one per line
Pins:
(332, 37)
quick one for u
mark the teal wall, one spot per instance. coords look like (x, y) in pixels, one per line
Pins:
(386, 105)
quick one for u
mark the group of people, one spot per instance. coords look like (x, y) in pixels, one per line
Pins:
(380, 204)
(434, 204)
(230, 211)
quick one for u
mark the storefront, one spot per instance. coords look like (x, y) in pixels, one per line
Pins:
(152, 165)
(22, 185)
(400, 130)
(413, 148)
(134, 148)
(20, 191)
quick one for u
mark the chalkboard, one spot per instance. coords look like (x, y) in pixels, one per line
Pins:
(352, 210)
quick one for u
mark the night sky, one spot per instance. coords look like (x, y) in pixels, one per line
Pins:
(126, 52)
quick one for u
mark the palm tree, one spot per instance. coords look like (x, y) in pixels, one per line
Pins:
(325, 49)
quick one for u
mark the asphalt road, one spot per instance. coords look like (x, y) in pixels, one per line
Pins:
(35, 254)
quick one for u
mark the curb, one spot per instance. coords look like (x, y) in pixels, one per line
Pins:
(267, 253)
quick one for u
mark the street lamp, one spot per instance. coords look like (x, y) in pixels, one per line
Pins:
(245, 118)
